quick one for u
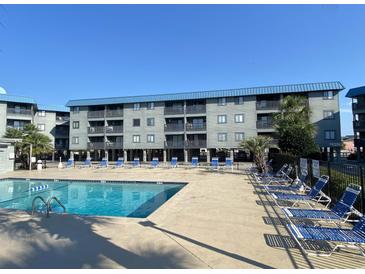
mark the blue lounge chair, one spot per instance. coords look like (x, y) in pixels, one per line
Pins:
(136, 162)
(173, 162)
(103, 164)
(341, 238)
(314, 195)
(296, 185)
(279, 179)
(87, 163)
(154, 162)
(229, 163)
(119, 163)
(340, 212)
(194, 162)
(215, 163)
(70, 163)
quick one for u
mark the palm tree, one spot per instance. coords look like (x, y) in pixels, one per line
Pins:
(257, 146)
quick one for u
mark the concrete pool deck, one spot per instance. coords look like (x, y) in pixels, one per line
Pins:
(219, 220)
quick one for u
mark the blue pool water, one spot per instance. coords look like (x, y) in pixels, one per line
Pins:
(129, 199)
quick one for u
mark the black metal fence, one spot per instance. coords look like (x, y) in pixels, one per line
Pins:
(341, 175)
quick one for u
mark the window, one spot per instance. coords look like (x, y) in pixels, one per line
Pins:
(41, 127)
(75, 140)
(238, 118)
(222, 119)
(150, 105)
(239, 136)
(75, 124)
(136, 139)
(328, 95)
(238, 100)
(329, 134)
(151, 122)
(136, 106)
(222, 137)
(150, 138)
(76, 109)
(42, 113)
(136, 122)
(328, 115)
(222, 101)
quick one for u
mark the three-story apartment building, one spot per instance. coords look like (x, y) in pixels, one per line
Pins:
(53, 121)
(203, 124)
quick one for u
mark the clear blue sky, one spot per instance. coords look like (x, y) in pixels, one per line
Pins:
(55, 53)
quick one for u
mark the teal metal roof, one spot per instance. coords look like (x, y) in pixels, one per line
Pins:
(295, 88)
(17, 99)
(354, 92)
(54, 108)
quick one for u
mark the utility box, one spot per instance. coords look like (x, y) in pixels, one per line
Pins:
(7, 154)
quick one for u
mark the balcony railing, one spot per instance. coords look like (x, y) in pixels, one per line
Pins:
(196, 143)
(174, 144)
(196, 109)
(268, 105)
(95, 114)
(113, 145)
(19, 111)
(359, 124)
(96, 145)
(114, 113)
(174, 110)
(61, 146)
(114, 129)
(174, 127)
(61, 134)
(96, 130)
(196, 127)
(264, 124)
(358, 106)
(62, 119)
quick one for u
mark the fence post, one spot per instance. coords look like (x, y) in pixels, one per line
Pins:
(362, 190)
(329, 175)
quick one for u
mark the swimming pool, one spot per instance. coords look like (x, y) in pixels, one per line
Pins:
(97, 198)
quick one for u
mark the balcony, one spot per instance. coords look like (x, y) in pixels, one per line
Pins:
(61, 134)
(61, 146)
(114, 113)
(62, 119)
(19, 111)
(114, 129)
(174, 110)
(264, 124)
(174, 144)
(196, 127)
(96, 145)
(95, 114)
(358, 106)
(359, 125)
(113, 145)
(268, 105)
(174, 127)
(196, 143)
(195, 109)
(96, 130)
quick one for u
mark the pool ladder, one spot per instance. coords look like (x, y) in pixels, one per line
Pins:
(47, 204)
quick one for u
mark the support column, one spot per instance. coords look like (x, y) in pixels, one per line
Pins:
(208, 156)
(144, 156)
(113, 154)
(125, 155)
(164, 156)
(88, 155)
(231, 154)
(185, 155)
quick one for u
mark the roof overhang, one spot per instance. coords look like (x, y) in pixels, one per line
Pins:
(354, 92)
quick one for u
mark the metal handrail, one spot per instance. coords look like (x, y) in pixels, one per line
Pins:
(58, 201)
(33, 204)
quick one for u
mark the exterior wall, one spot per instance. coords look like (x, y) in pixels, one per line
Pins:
(2, 118)
(81, 132)
(143, 130)
(318, 104)
(248, 108)
(50, 124)
(6, 164)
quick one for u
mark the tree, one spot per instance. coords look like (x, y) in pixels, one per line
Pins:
(30, 135)
(294, 129)
(257, 146)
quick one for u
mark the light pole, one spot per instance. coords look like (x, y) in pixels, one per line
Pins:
(30, 156)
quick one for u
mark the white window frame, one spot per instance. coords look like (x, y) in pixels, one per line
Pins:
(136, 139)
(150, 105)
(239, 120)
(222, 101)
(136, 106)
(331, 134)
(75, 109)
(75, 140)
(328, 117)
(42, 113)
(222, 134)
(74, 123)
(150, 119)
(40, 128)
(150, 138)
(236, 134)
(224, 121)
(328, 95)
(239, 100)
